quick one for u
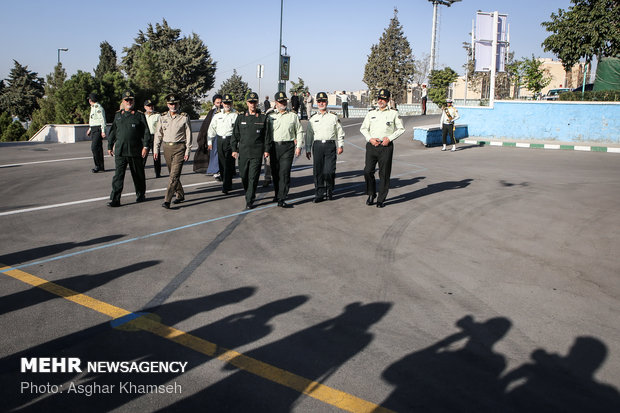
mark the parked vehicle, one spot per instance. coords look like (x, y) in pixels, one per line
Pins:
(589, 86)
(554, 94)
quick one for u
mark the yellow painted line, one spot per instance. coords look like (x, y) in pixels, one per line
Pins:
(326, 394)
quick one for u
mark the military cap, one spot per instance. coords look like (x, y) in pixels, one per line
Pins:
(227, 98)
(93, 97)
(252, 97)
(321, 97)
(280, 96)
(172, 98)
(384, 94)
(448, 100)
(128, 94)
(148, 102)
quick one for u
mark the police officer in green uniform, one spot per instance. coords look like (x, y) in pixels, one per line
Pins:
(380, 127)
(287, 141)
(152, 118)
(128, 142)
(250, 139)
(221, 128)
(324, 140)
(96, 131)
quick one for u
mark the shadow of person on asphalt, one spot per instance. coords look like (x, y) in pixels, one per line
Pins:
(31, 254)
(314, 353)
(429, 190)
(445, 378)
(554, 383)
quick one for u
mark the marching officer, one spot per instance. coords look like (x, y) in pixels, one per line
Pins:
(380, 127)
(288, 139)
(250, 139)
(96, 131)
(325, 140)
(448, 115)
(152, 118)
(222, 127)
(128, 142)
(175, 133)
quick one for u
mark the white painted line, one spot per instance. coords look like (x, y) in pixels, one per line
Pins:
(582, 148)
(470, 141)
(84, 201)
(523, 145)
(494, 143)
(551, 146)
(616, 150)
(48, 161)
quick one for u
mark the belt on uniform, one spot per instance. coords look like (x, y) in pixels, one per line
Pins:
(224, 137)
(175, 143)
(326, 141)
(94, 127)
(283, 142)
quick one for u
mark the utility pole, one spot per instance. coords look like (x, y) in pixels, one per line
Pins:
(61, 50)
(434, 28)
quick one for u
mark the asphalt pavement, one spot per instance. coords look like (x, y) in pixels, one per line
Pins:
(489, 282)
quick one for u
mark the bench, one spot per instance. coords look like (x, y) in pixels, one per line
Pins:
(430, 135)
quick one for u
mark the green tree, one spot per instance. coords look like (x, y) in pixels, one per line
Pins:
(236, 87)
(161, 61)
(390, 63)
(300, 88)
(47, 104)
(110, 89)
(20, 95)
(14, 132)
(439, 83)
(107, 61)
(589, 28)
(5, 121)
(535, 77)
(72, 104)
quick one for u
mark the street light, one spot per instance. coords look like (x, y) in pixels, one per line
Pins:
(61, 50)
(434, 28)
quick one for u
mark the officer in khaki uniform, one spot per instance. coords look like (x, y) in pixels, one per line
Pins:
(324, 141)
(96, 131)
(128, 142)
(175, 134)
(152, 118)
(288, 139)
(380, 127)
(250, 140)
(222, 127)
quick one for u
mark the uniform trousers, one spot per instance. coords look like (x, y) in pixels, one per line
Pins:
(136, 166)
(424, 99)
(96, 146)
(226, 162)
(447, 129)
(249, 169)
(345, 109)
(382, 155)
(156, 162)
(174, 155)
(281, 157)
(324, 167)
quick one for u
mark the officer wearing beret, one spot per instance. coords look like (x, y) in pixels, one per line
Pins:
(174, 132)
(96, 131)
(222, 127)
(152, 118)
(380, 127)
(288, 139)
(250, 140)
(128, 142)
(325, 140)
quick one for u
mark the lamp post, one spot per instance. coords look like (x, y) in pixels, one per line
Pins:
(434, 28)
(281, 87)
(61, 50)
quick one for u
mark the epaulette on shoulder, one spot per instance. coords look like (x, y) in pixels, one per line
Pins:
(183, 114)
(139, 111)
(164, 113)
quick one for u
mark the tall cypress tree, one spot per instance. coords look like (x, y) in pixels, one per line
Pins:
(390, 63)
(107, 61)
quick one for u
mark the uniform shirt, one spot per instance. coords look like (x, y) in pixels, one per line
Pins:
(97, 116)
(221, 125)
(174, 128)
(444, 118)
(424, 92)
(152, 119)
(251, 136)
(324, 127)
(286, 127)
(129, 133)
(380, 123)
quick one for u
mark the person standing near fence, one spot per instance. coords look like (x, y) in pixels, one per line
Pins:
(96, 131)
(448, 115)
(424, 98)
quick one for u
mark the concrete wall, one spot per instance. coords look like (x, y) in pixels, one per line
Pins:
(562, 121)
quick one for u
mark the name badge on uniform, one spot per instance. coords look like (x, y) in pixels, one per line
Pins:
(243, 123)
(373, 117)
(133, 125)
(258, 131)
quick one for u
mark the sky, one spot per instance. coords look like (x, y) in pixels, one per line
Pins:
(328, 42)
